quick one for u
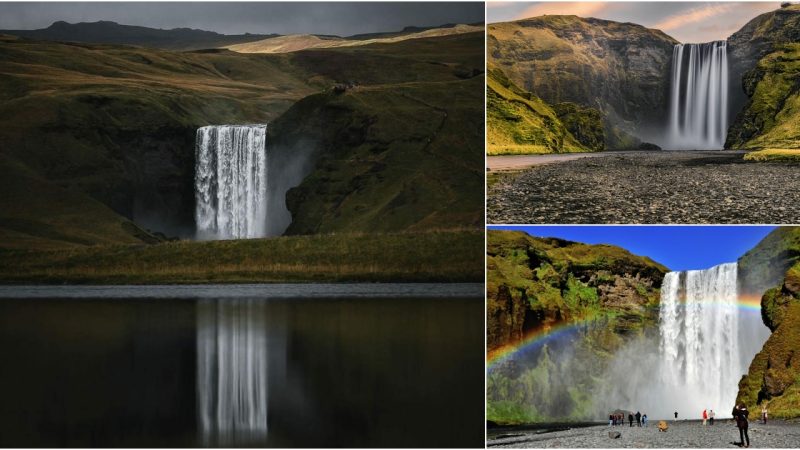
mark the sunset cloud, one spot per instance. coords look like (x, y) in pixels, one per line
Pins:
(685, 21)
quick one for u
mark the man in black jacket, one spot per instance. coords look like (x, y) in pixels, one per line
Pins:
(740, 413)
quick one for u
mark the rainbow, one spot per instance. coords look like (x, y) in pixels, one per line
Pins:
(550, 332)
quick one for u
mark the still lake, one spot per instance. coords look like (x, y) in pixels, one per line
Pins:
(308, 365)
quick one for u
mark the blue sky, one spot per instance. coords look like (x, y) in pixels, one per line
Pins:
(677, 247)
(685, 21)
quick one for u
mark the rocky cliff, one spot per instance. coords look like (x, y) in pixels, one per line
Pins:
(607, 295)
(622, 69)
(755, 40)
(773, 378)
(771, 117)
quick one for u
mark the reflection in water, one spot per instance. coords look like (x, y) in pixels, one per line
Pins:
(232, 372)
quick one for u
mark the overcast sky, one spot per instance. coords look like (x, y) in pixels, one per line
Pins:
(685, 21)
(342, 19)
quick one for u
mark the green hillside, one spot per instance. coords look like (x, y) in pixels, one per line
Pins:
(771, 119)
(609, 294)
(518, 122)
(773, 378)
(115, 127)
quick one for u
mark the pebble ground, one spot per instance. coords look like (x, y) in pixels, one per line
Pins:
(650, 187)
(681, 434)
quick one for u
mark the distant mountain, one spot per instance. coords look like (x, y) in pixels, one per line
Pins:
(105, 32)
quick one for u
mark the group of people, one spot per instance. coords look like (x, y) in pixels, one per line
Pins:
(740, 415)
(708, 417)
(615, 419)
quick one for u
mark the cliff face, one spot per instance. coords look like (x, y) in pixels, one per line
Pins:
(538, 284)
(773, 378)
(771, 117)
(764, 63)
(622, 69)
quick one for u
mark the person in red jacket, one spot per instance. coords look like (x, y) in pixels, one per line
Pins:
(705, 416)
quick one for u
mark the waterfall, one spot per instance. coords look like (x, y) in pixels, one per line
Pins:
(231, 181)
(698, 118)
(699, 341)
(232, 372)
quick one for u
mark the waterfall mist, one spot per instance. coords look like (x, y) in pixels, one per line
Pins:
(231, 181)
(696, 360)
(698, 118)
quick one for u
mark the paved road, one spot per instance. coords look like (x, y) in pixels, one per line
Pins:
(650, 187)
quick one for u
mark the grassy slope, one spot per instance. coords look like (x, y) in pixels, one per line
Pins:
(771, 120)
(403, 150)
(395, 257)
(541, 282)
(297, 42)
(774, 374)
(106, 122)
(521, 123)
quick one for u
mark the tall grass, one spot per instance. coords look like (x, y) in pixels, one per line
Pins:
(442, 256)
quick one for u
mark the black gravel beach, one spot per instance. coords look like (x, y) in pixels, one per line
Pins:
(681, 434)
(650, 187)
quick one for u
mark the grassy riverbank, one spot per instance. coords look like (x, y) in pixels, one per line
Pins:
(436, 256)
(774, 154)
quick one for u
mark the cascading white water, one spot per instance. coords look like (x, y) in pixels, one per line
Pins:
(698, 118)
(699, 341)
(231, 181)
(232, 372)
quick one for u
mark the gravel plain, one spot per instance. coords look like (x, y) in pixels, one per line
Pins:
(650, 187)
(681, 434)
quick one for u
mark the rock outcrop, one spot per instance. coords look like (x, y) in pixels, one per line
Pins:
(755, 40)
(773, 378)
(621, 69)
(607, 295)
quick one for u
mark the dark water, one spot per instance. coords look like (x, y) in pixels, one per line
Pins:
(364, 365)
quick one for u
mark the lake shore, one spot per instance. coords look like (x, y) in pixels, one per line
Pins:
(448, 256)
(681, 434)
(650, 187)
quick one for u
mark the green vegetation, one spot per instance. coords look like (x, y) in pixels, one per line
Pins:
(111, 131)
(771, 120)
(774, 374)
(535, 283)
(621, 69)
(446, 256)
(521, 123)
(774, 154)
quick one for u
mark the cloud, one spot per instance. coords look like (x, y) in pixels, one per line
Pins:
(694, 15)
(582, 9)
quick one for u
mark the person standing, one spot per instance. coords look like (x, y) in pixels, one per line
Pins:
(630, 419)
(638, 419)
(644, 420)
(610, 420)
(705, 416)
(711, 417)
(740, 413)
(764, 413)
(676, 415)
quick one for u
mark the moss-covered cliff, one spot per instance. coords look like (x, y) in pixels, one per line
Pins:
(621, 69)
(771, 118)
(519, 122)
(773, 378)
(606, 293)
